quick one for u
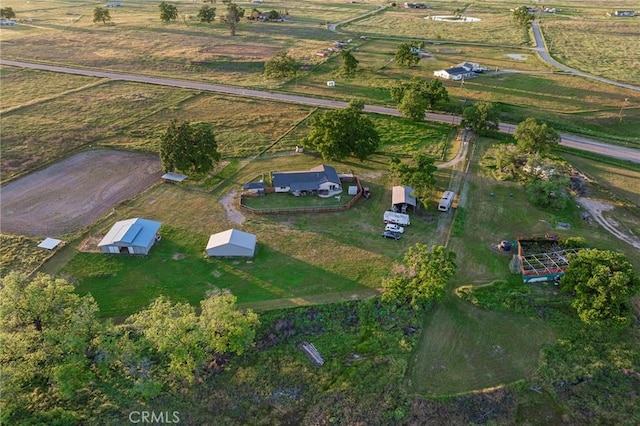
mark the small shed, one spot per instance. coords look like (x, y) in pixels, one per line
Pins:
(254, 188)
(131, 236)
(231, 243)
(403, 197)
(49, 243)
(173, 177)
(331, 83)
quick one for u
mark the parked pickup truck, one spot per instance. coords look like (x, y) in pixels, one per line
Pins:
(394, 228)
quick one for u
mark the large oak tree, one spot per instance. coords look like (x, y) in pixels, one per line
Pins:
(533, 137)
(189, 148)
(417, 95)
(338, 134)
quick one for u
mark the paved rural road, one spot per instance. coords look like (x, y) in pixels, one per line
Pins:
(541, 48)
(571, 141)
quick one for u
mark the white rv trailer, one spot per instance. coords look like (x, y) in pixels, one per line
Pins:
(446, 201)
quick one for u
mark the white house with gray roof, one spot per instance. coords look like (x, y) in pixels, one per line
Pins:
(322, 180)
(131, 236)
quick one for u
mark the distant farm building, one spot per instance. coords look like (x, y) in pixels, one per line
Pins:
(231, 243)
(402, 198)
(322, 180)
(455, 73)
(131, 236)
(624, 13)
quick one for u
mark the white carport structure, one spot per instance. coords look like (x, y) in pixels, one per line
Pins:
(231, 243)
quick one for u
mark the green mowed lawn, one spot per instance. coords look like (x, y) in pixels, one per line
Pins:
(464, 348)
(300, 259)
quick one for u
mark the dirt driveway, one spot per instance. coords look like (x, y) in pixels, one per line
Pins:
(73, 193)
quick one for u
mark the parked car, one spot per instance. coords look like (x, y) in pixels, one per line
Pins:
(391, 234)
(394, 228)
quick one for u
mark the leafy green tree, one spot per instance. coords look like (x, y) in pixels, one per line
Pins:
(273, 15)
(338, 134)
(168, 12)
(533, 137)
(232, 17)
(522, 17)
(46, 345)
(188, 148)
(482, 117)
(281, 66)
(207, 14)
(181, 341)
(423, 276)
(549, 193)
(101, 14)
(408, 54)
(603, 283)
(349, 63)
(419, 174)
(7, 13)
(417, 95)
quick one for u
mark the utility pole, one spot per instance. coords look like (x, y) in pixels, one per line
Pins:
(624, 104)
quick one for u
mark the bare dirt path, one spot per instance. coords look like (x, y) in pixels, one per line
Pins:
(73, 193)
(233, 214)
(596, 209)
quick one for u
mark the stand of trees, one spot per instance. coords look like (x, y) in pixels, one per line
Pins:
(207, 14)
(533, 137)
(349, 63)
(232, 17)
(7, 13)
(483, 117)
(168, 12)
(189, 148)
(603, 284)
(423, 277)
(407, 54)
(57, 356)
(101, 14)
(342, 133)
(418, 174)
(281, 66)
(522, 17)
(417, 95)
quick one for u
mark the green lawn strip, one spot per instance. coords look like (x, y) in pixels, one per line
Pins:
(464, 348)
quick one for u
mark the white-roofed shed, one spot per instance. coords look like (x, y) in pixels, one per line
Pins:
(231, 243)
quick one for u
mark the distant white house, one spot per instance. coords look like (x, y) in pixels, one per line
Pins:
(322, 180)
(114, 4)
(455, 73)
(624, 13)
(231, 243)
(131, 236)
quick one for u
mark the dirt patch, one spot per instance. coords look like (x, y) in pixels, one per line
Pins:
(596, 209)
(73, 193)
(178, 256)
(233, 214)
(241, 50)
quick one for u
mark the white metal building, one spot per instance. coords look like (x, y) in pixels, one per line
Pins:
(231, 243)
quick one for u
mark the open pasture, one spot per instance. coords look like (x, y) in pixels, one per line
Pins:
(581, 44)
